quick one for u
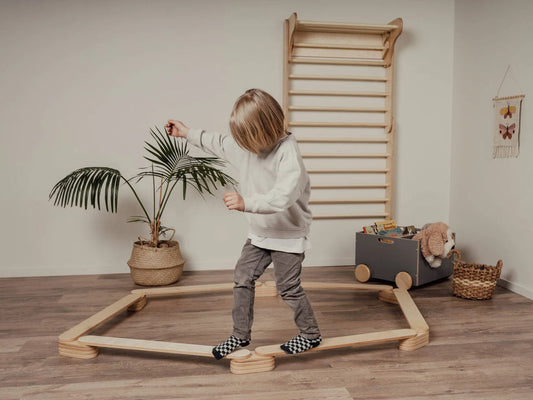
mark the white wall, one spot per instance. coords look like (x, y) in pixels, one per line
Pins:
(83, 81)
(491, 198)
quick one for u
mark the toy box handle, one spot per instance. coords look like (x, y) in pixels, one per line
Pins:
(456, 252)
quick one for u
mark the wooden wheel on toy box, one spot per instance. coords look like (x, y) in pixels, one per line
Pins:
(362, 273)
(403, 279)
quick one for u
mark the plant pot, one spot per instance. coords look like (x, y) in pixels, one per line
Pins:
(151, 266)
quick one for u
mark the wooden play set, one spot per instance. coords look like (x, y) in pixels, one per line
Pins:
(337, 77)
(338, 99)
(76, 343)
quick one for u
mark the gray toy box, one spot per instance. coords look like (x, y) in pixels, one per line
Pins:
(387, 256)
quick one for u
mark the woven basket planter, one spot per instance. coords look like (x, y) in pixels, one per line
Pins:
(152, 266)
(475, 281)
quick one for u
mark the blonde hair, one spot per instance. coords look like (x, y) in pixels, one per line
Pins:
(257, 122)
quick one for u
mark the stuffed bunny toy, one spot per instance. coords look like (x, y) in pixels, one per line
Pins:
(436, 241)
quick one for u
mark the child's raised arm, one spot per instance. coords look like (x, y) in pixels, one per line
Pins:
(222, 146)
(177, 128)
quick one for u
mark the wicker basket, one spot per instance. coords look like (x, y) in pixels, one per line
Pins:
(475, 281)
(152, 266)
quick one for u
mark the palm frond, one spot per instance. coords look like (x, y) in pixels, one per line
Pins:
(83, 187)
(171, 162)
(139, 218)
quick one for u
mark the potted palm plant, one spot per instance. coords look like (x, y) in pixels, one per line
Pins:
(153, 261)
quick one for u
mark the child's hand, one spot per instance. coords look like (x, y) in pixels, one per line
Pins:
(177, 128)
(234, 201)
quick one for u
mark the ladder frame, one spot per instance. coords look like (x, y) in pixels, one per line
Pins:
(324, 49)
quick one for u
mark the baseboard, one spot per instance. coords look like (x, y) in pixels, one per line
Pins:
(516, 288)
(20, 272)
(33, 272)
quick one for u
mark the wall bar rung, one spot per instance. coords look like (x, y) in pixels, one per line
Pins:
(340, 57)
(383, 155)
(360, 186)
(343, 27)
(342, 140)
(322, 93)
(301, 60)
(339, 78)
(338, 109)
(339, 124)
(353, 216)
(358, 201)
(348, 171)
(338, 46)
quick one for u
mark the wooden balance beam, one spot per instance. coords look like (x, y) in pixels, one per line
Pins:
(343, 286)
(75, 343)
(261, 289)
(174, 290)
(345, 341)
(415, 320)
(68, 341)
(158, 346)
(385, 291)
(263, 358)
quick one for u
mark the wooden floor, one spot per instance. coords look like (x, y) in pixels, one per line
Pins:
(477, 350)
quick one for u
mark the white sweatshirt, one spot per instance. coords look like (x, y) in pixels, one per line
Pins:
(274, 185)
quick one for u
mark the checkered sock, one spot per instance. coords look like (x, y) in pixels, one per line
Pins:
(231, 344)
(299, 344)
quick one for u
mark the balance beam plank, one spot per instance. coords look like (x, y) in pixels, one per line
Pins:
(100, 317)
(345, 286)
(157, 346)
(410, 311)
(346, 341)
(183, 289)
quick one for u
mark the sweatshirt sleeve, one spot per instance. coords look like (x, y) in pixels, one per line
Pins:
(286, 190)
(214, 143)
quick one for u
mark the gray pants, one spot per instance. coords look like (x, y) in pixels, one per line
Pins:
(287, 269)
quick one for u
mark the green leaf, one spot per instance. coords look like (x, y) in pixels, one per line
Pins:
(139, 218)
(84, 187)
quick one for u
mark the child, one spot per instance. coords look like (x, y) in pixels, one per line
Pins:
(274, 197)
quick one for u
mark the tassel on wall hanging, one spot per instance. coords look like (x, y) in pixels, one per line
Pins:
(506, 136)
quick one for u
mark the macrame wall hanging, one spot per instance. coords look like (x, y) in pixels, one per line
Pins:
(506, 135)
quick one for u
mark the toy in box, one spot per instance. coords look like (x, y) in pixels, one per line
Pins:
(395, 259)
